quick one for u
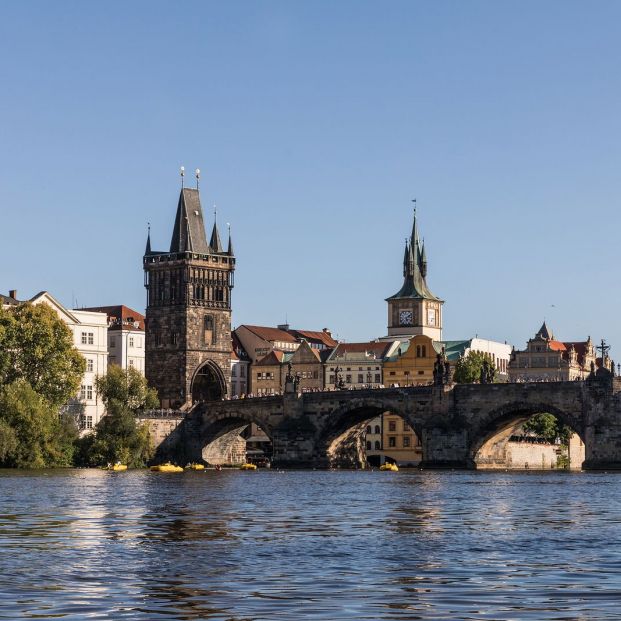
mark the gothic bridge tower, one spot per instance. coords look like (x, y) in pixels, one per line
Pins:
(188, 317)
(414, 309)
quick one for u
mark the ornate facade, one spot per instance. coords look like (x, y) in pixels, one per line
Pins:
(188, 317)
(546, 359)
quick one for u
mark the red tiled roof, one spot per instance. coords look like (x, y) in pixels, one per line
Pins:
(270, 334)
(122, 314)
(580, 347)
(274, 357)
(237, 349)
(315, 336)
(557, 346)
(377, 348)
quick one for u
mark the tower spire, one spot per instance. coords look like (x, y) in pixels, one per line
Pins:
(230, 248)
(214, 242)
(148, 248)
(406, 258)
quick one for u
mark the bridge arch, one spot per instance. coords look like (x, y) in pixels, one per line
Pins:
(219, 434)
(489, 437)
(340, 442)
(208, 383)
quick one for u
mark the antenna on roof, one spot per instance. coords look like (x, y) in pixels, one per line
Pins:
(197, 173)
(182, 173)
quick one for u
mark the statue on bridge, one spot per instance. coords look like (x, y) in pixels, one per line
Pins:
(442, 370)
(488, 372)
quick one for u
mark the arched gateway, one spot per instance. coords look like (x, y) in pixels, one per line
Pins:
(208, 384)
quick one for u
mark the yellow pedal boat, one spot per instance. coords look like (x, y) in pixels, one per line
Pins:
(115, 467)
(168, 467)
(248, 467)
(391, 467)
(195, 467)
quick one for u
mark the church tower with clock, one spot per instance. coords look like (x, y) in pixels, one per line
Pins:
(414, 309)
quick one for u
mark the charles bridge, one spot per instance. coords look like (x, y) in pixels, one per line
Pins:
(460, 426)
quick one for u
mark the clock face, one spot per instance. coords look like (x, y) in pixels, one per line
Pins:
(431, 316)
(405, 318)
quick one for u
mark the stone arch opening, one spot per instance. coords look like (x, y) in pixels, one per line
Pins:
(208, 383)
(368, 435)
(504, 441)
(236, 440)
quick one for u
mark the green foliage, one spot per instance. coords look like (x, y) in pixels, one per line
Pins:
(37, 346)
(468, 368)
(117, 436)
(31, 433)
(547, 427)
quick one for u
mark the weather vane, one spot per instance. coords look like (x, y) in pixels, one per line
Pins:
(197, 173)
(182, 173)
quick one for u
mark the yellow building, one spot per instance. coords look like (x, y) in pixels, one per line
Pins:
(400, 443)
(412, 363)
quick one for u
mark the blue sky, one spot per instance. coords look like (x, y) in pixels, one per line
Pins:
(314, 125)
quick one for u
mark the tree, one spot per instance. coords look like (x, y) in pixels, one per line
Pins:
(548, 427)
(117, 436)
(31, 432)
(468, 368)
(37, 346)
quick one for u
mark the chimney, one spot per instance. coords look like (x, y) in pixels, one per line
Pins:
(13, 294)
(326, 331)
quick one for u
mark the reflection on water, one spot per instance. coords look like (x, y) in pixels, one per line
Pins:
(309, 545)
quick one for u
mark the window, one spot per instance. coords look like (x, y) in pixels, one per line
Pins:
(83, 392)
(89, 365)
(392, 426)
(315, 374)
(368, 446)
(348, 379)
(131, 362)
(360, 378)
(234, 371)
(368, 428)
(378, 378)
(421, 373)
(258, 376)
(392, 373)
(89, 392)
(406, 441)
(90, 338)
(331, 379)
(131, 340)
(392, 441)
(242, 371)
(377, 429)
(378, 446)
(84, 338)
(89, 422)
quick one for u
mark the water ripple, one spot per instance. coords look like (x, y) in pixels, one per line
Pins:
(265, 546)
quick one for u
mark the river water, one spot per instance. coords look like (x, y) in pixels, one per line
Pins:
(295, 545)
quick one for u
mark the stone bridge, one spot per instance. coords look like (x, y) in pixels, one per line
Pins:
(460, 426)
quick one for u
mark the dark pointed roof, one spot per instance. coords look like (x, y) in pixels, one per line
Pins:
(189, 232)
(214, 242)
(544, 333)
(230, 248)
(415, 271)
(148, 248)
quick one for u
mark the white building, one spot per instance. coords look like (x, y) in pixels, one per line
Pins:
(126, 337)
(90, 337)
(240, 363)
(500, 353)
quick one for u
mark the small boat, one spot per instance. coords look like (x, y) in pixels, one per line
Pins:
(390, 467)
(115, 467)
(195, 467)
(248, 467)
(167, 467)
